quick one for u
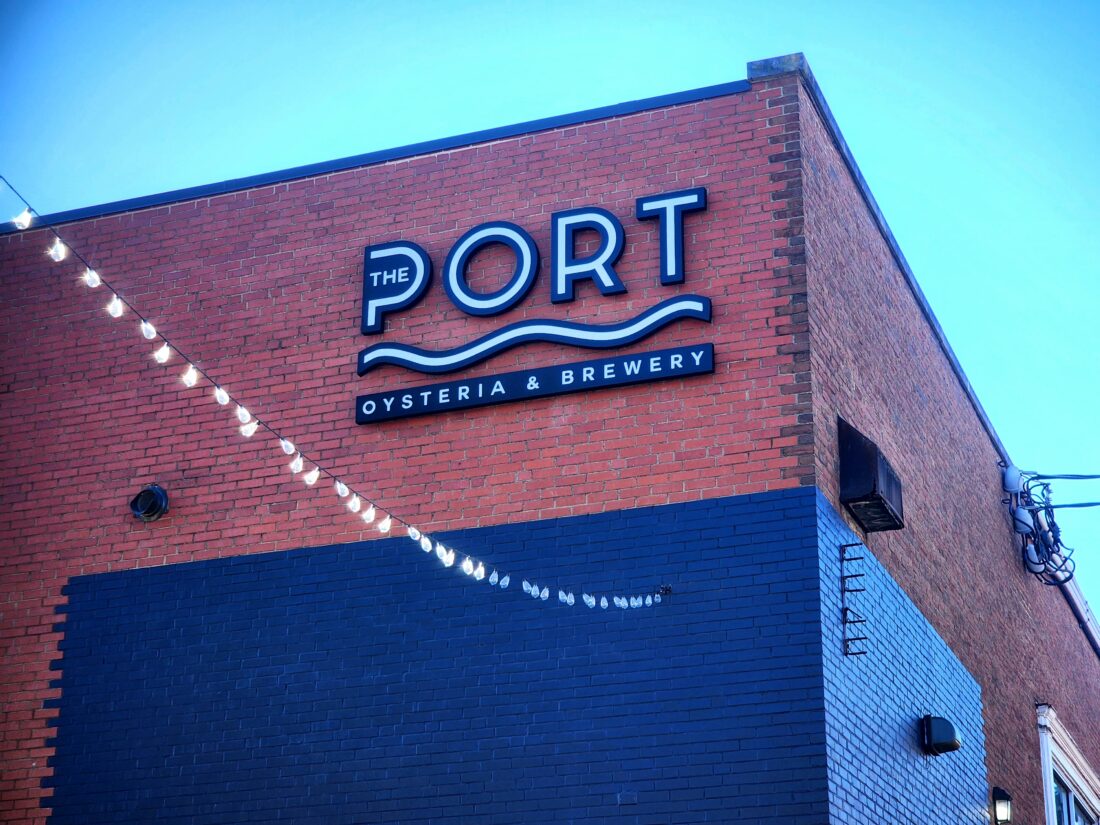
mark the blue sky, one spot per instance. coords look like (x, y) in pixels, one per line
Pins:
(976, 126)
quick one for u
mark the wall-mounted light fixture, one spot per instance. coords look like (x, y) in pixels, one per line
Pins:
(150, 504)
(1002, 806)
(938, 736)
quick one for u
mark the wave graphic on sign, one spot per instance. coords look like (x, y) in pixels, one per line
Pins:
(585, 336)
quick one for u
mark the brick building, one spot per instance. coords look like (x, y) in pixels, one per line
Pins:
(262, 654)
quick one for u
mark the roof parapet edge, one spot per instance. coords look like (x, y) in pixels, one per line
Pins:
(796, 64)
(385, 155)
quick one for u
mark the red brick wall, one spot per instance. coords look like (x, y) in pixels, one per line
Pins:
(876, 363)
(262, 289)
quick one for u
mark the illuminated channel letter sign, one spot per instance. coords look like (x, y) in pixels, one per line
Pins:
(396, 276)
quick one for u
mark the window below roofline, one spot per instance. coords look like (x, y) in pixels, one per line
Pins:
(1063, 762)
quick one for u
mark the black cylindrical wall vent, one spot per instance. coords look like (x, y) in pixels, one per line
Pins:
(150, 504)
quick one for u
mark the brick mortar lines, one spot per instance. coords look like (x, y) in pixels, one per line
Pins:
(720, 143)
(878, 364)
(789, 146)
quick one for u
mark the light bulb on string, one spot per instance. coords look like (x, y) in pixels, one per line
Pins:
(23, 219)
(58, 251)
(657, 599)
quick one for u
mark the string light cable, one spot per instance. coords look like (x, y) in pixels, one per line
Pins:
(364, 507)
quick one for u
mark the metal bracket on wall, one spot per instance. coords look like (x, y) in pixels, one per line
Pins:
(849, 583)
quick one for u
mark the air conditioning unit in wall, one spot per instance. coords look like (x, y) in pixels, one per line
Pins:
(869, 487)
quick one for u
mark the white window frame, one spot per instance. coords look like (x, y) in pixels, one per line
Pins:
(1060, 754)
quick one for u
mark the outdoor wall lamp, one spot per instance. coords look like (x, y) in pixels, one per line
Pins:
(1002, 806)
(938, 736)
(150, 504)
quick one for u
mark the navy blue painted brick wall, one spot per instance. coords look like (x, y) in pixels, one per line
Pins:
(877, 772)
(363, 683)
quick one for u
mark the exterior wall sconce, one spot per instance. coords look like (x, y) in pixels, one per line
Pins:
(1002, 806)
(938, 736)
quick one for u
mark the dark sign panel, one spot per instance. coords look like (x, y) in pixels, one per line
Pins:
(522, 385)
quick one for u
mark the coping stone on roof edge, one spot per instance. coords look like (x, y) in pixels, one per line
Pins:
(796, 64)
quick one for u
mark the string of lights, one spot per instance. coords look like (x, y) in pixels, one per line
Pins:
(248, 425)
